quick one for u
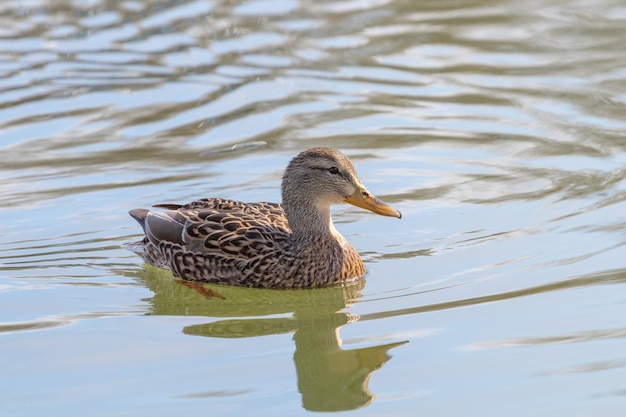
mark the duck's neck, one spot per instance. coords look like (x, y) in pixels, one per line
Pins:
(309, 220)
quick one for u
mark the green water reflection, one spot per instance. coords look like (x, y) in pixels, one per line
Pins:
(329, 378)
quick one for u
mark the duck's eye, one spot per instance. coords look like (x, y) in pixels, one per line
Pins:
(333, 170)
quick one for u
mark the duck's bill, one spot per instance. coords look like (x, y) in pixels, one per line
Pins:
(362, 198)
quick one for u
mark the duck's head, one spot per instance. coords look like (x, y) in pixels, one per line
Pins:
(320, 177)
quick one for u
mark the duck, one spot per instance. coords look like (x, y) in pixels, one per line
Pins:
(292, 244)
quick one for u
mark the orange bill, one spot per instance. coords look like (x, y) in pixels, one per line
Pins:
(364, 199)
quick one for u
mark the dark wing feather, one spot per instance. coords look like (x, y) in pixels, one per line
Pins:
(221, 228)
(237, 235)
(272, 212)
(218, 240)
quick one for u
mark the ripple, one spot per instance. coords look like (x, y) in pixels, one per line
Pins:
(601, 278)
(554, 339)
(53, 322)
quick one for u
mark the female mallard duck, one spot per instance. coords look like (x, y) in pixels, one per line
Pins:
(264, 244)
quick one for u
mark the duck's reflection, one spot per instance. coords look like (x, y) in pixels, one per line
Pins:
(329, 378)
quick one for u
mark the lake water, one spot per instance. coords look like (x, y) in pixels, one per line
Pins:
(498, 129)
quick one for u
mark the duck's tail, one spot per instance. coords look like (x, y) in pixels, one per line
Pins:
(138, 247)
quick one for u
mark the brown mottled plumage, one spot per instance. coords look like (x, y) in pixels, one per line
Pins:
(264, 244)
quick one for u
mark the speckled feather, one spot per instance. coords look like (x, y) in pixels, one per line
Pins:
(248, 244)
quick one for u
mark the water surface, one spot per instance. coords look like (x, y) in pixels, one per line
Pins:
(496, 129)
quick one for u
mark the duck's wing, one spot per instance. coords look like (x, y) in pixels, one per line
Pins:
(216, 227)
(270, 212)
(216, 240)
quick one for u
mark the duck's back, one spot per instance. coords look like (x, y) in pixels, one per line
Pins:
(247, 244)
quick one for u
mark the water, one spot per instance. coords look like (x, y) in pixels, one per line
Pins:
(497, 129)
